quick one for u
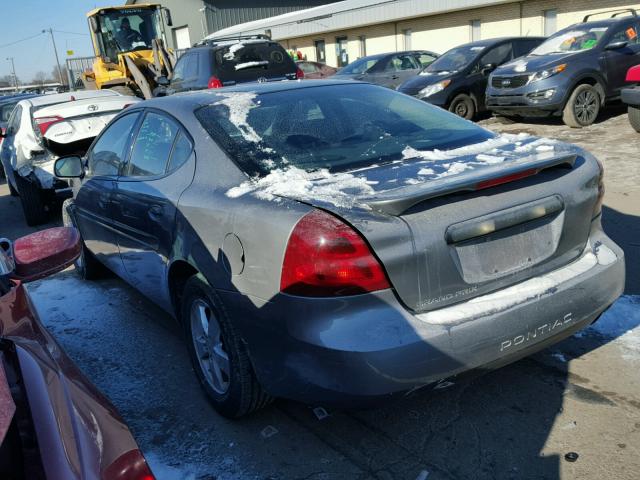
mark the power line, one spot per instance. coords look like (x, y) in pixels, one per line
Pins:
(72, 33)
(22, 40)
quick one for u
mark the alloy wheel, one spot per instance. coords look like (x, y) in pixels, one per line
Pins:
(586, 107)
(209, 347)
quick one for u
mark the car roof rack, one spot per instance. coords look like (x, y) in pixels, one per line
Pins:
(615, 13)
(239, 37)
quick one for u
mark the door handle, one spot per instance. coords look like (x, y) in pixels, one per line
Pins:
(395, 77)
(155, 212)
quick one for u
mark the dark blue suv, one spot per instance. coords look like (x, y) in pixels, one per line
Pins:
(573, 73)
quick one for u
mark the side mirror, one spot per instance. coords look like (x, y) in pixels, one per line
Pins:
(69, 167)
(162, 81)
(167, 17)
(488, 68)
(93, 24)
(617, 45)
(45, 252)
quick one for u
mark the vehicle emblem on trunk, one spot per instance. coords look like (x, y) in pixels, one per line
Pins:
(92, 108)
(262, 79)
(506, 82)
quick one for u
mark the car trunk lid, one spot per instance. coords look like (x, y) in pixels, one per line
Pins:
(464, 225)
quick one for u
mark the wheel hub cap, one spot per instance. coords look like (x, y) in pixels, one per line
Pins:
(207, 341)
(586, 107)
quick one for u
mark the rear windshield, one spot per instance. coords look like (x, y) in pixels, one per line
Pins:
(338, 127)
(455, 59)
(252, 60)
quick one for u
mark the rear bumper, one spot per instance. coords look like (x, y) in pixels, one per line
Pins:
(349, 352)
(631, 96)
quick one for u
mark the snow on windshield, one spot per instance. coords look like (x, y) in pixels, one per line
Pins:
(239, 104)
(339, 189)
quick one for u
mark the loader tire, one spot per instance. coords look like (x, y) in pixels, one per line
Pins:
(123, 90)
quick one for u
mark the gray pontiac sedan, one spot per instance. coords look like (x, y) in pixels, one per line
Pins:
(338, 242)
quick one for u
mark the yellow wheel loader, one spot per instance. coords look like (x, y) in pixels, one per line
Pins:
(130, 54)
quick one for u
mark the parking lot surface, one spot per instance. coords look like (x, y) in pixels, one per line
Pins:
(581, 396)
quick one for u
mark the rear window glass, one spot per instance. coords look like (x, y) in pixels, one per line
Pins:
(242, 60)
(338, 127)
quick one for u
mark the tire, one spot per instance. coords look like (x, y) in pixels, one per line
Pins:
(582, 108)
(33, 202)
(123, 90)
(634, 117)
(12, 191)
(463, 106)
(234, 391)
(88, 267)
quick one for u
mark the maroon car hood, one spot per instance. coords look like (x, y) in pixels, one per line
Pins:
(80, 434)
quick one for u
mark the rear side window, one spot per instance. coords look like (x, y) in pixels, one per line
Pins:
(307, 67)
(401, 62)
(153, 146)
(181, 152)
(628, 34)
(247, 61)
(14, 120)
(186, 68)
(424, 59)
(108, 153)
(5, 111)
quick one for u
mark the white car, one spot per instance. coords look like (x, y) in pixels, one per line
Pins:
(43, 128)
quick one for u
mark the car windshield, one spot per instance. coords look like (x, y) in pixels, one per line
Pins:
(127, 30)
(359, 66)
(574, 40)
(455, 59)
(337, 127)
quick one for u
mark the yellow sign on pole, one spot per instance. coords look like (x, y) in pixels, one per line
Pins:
(69, 52)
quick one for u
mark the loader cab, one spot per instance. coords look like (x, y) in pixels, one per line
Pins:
(121, 30)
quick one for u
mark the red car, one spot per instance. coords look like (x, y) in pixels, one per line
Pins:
(54, 423)
(315, 70)
(631, 96)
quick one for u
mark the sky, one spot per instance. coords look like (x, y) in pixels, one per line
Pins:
(20, 19)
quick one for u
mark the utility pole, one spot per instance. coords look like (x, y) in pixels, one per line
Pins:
(13, 71)
(55, 50)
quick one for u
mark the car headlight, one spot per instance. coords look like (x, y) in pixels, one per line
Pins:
(547, 73)
(433, 89)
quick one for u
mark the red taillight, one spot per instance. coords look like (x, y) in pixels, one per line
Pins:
(494, 182)
(44, 123)
(299, 74)
(633, 74)
(214, 82)
(128, 466)
(326, 257)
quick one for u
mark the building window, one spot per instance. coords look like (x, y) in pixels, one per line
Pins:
(341, 51)
(321, 56)
(406, 36)
(475, 30)
(362, 43)
(550, 22)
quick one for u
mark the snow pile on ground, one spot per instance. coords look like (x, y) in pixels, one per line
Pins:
(622, 323)
(339, 189)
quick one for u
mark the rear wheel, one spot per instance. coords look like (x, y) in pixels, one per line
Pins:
(12, 191)
(463, 106)
(634, 118)
(32, 200)
(582, 108)
(218, 354)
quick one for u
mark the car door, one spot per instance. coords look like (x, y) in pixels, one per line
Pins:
(93, 200)
(489, 61)
(398, 68)
(620, 60)
(161, 166)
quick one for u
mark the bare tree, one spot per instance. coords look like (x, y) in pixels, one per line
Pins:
(8, 79)
(65, 77)
(40, 77)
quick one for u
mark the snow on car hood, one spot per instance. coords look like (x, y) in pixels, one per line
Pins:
(353, 189)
